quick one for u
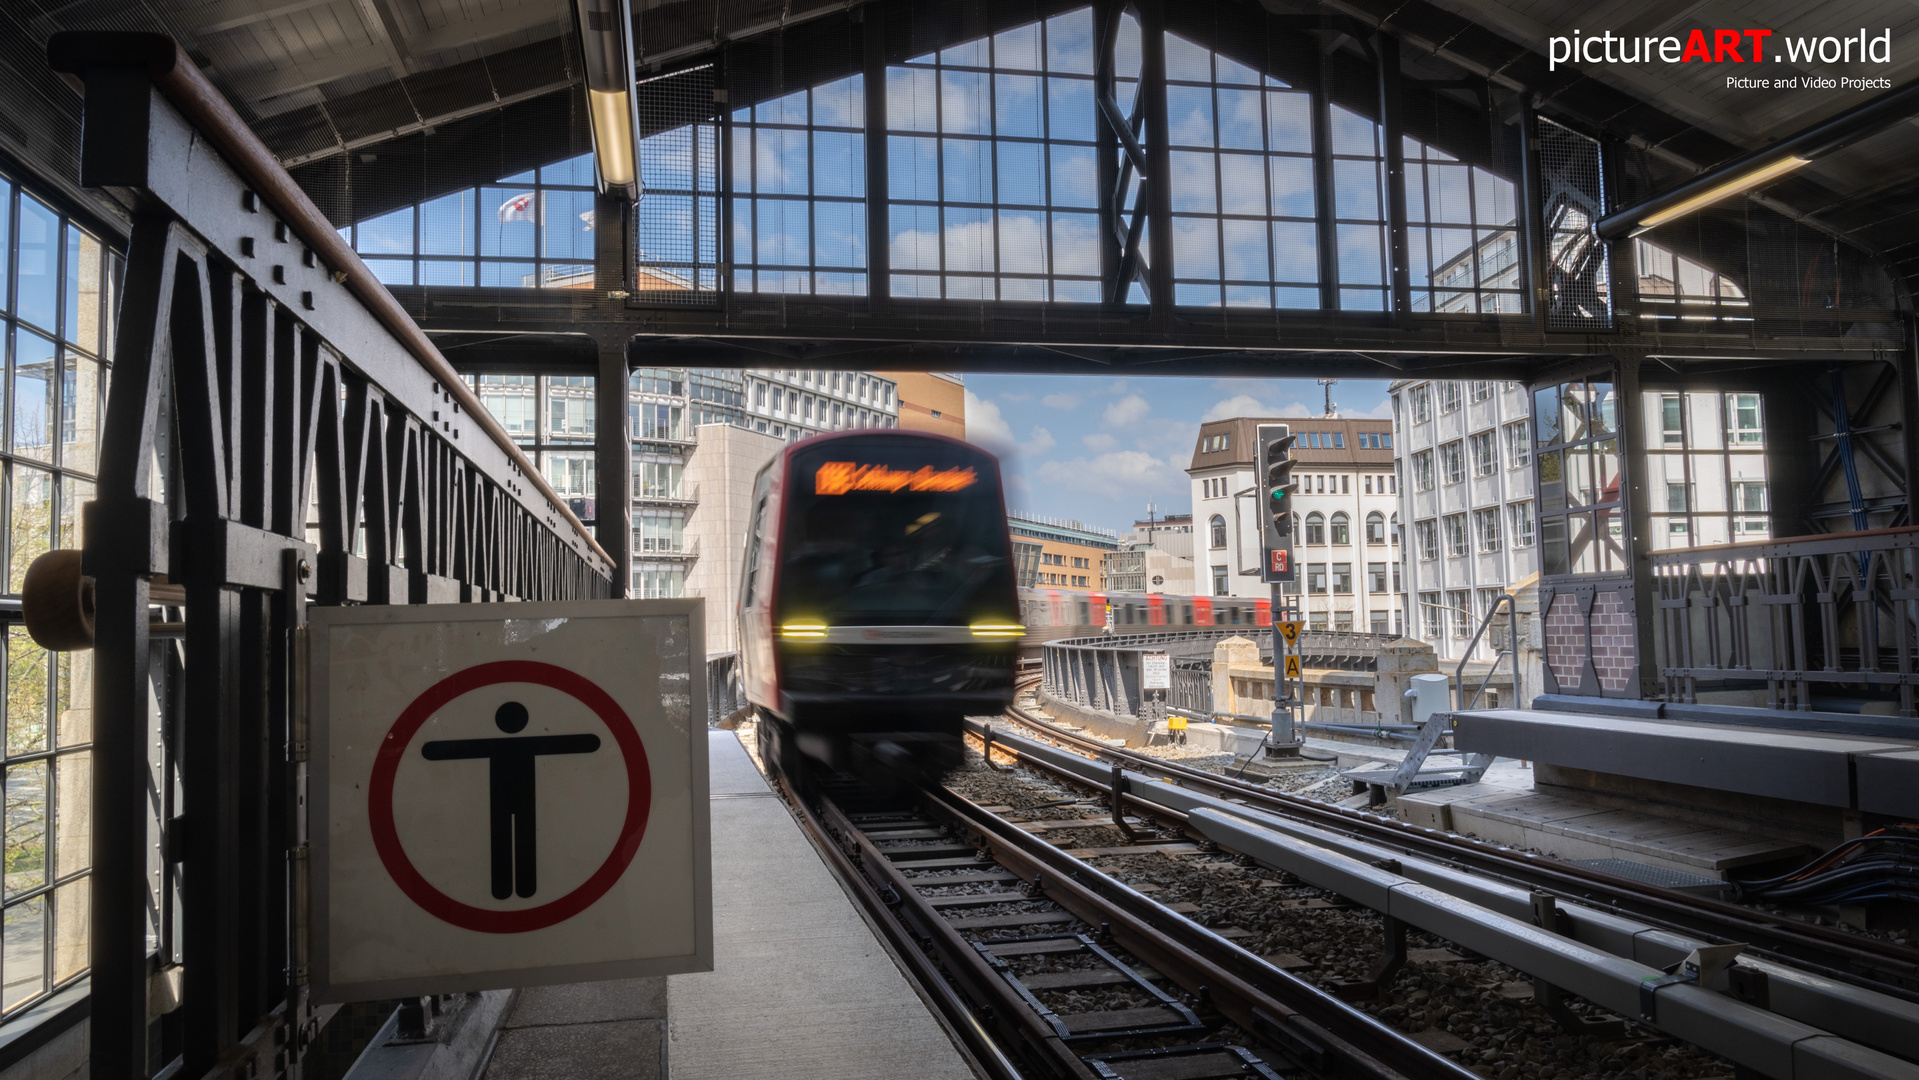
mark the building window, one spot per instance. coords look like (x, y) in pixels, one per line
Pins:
(1316, 578)
(1459, 614)
(1672, 420)
(1522, 524)
(1519, 450)
(1423, 471)
(654, 581)
(1486, 528)
(657, 479)
(1428, 534)
(1481, 390)
(1342, 534)
(1485, 455)
(1218, 527)
(1343, 622)
(1422, 404)
(1430, 615)
(1749, 497)
(1316, 622)
(1462, 236)
(1455, 534)
(1675, 287)
(1577, 465)
(1375, 528)
(1379, 622)
(1743, 413)
(1397, 586)
(661, 531)
(1376, 577)
(65, 285)
(1452, 462)
(1343, 579)
(1315, 528)
(1448, 397)
(1219, 581)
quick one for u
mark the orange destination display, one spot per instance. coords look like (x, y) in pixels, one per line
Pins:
(842, 477)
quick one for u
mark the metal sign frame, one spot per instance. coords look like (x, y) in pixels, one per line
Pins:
(316, 665)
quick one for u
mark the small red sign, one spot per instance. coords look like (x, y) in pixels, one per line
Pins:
(1279, 561)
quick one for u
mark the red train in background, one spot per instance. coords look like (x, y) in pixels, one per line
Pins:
(1051, 614)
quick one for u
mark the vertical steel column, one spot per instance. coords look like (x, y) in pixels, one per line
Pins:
(1323, 206)
(1532, 217)
(1636, 517)
(879, 263)
(1159, 160)
(120, 557)
(1386, 56)
(1106, 138)
(613, 462)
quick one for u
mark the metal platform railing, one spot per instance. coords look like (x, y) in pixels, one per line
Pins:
(1834, 614)
(260, 369)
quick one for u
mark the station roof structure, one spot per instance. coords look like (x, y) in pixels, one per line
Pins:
(380, 104)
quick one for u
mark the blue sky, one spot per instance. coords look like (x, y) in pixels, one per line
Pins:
(1098, 449)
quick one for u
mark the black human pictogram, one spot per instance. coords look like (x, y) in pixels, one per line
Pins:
(510, 785)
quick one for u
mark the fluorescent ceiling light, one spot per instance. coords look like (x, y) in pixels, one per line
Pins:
(612, 135)
(1734, 186)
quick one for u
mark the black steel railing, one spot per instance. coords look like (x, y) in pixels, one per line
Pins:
(260, 370)
(1810, 619)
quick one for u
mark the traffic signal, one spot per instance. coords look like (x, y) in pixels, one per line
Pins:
(1273, 465)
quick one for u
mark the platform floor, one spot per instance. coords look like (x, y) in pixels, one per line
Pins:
(801, 989)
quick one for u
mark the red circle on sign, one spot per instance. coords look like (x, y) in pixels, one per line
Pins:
(386, 765)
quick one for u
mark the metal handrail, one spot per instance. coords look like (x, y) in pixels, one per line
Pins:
(1512, 650)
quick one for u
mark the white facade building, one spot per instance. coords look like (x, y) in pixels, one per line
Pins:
(1344, 535)
(791, 405)
(719, 481)
(1464, 455)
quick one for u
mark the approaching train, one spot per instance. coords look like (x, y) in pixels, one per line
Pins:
(877, 600)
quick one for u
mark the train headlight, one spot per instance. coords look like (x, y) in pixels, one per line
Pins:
(803, 630)
(998, 630)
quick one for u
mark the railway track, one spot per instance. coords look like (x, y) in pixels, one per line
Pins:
(1044, 966)
(1862, 961)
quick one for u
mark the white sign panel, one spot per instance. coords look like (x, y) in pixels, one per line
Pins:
(507, 795)
(1155, 671)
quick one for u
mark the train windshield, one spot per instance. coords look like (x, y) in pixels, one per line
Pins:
(895, 531)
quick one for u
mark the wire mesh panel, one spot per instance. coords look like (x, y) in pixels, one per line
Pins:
(676, 250)
(1579, 286)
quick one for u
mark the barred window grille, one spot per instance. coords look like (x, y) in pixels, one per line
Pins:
(1573, 198)
(677, 226)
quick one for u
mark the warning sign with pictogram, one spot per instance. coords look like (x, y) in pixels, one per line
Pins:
(1292, 667)
(506, 795)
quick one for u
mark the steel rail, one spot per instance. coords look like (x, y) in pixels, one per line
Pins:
(1325, 1035)
(1879, 966)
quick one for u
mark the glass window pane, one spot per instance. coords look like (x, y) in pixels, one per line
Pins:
(1189, 115)
(1017, 49)
(33, 359)
(79, 422)
(445, 272)
(1241, 124)
(967, 165)
(969, 239)
(25, 846)
(1295, 253)
(912, 102)
(1353, 133)
(1016, 105)
(839, 163)
(1242, 184)
(6, 231)
(1245, 244)
(1022, 177)
(1069, 42)
(447, 225)
(508, 275)
(789, 109)
(566, 224)
(781, 232)
(83, 290)
(1292, 192)
(574, 172)
(70, 916)
(965, 105)
(1360, 260)
(841, 103)
(1185, 60)
(37, 262)
(1022, 243)
(1195, 187)
(23, 937)
(912, 168)
(915, 241)
(1075, 178)
(1196, 248)
(506, 222)
(779, 163)
(1356, 189)
(26, 693)
(1075, 247)
(839, 234)
(391, 271)
(1289, 122)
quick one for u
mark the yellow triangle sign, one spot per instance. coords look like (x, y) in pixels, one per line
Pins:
(1292, 667)
(1290, 631)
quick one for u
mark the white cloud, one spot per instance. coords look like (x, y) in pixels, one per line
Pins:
(1061, 402)
(1127, 477)
(1381, 411)
(1100, 442)
(1041, 441)
(1127, 411)
(1248, 405)
(987, 426)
